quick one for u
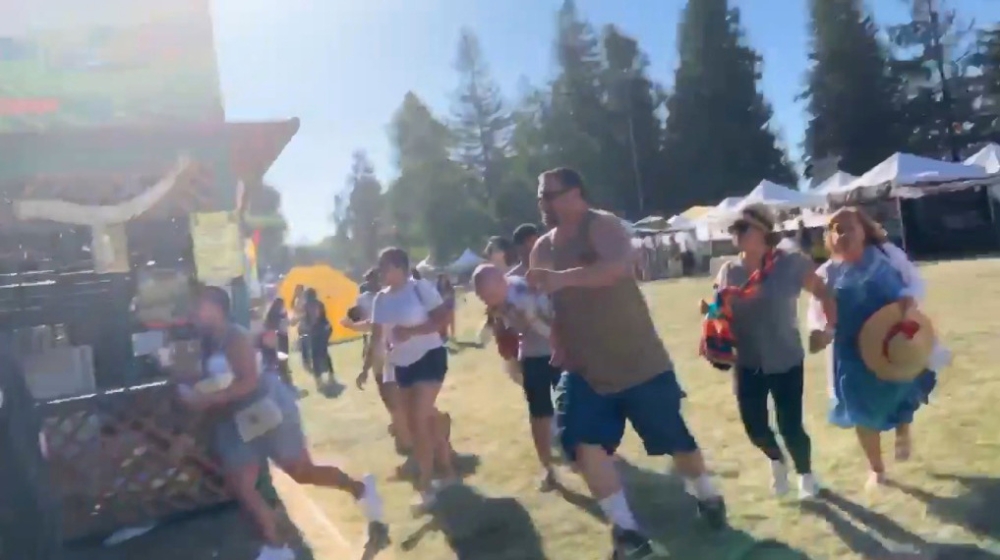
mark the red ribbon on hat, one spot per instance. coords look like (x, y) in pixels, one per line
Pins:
(907, 328)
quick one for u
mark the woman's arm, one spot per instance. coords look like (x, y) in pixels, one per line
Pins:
(242, 358)
(816, 286)
(370, 351)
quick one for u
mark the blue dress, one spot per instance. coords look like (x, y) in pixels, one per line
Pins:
(859, 397)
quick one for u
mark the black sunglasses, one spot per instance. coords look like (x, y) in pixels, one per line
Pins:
(739, 228)
(549, 196)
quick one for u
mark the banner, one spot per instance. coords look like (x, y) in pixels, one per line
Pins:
(219, 255)
(69, 63)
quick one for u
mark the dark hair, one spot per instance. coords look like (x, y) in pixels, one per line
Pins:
(218, 297)
(502, 244)
(568, 177)
(371, 276)
(310, 295)
(273, 316)
(394, 257)
(523, 233)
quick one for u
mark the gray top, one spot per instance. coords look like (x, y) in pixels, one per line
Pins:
(766, 326)
(529, 313)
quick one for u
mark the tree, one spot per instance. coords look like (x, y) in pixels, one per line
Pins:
(940, 92)
(988, 62)
(263, 214)
(482, 123)
(363, 215)
(633, 102)
(718, 138)
(850, 93)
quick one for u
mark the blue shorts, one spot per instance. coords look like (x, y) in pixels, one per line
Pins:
(284, 444)
(430, 368)
(585, 417)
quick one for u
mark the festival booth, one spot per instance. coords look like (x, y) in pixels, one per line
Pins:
(931, 208)
(837, 182)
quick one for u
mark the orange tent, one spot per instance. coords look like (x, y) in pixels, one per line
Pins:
(337, 292)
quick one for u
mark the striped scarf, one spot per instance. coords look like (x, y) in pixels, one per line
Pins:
(718, 344)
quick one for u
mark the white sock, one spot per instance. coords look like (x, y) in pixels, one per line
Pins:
(703, 487)
(370, 500)
(616, 508)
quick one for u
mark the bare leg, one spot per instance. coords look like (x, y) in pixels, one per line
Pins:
(400, 418)
(541, 435)
(871, 445)
(420, 409)
(444, 453)
(904, 443)
(243, 483)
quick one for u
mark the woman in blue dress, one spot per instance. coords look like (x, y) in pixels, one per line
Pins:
(863, 280)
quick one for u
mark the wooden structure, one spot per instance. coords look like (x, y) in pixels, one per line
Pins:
(124, 455)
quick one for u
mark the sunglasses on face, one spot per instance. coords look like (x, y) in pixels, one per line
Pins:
(550, 195)
(739, 228)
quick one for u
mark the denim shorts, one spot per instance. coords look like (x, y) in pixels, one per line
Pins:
(585, 417)
(430, 368)
(540, 379)
(284, 444)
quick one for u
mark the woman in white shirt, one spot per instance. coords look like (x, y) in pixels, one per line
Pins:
(408, 316)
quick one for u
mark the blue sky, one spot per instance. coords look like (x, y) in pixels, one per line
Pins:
(343, 66)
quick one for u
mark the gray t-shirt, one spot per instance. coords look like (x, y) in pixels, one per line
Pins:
(766, 326)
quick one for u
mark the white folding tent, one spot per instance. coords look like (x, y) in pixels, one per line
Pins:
(835, 183)
(988, 158)
(907, 169)
(466, 262)
(779, 197)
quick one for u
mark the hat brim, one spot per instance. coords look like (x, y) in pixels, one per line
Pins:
(913, 354)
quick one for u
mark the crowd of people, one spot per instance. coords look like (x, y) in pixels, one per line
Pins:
(572, 326)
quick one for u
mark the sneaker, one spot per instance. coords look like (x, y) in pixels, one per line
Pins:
(276, 553)
(371, 501)
(423, 503)
(548, 481)
(378, 536)
(779, 478)
(809, 487)
(630, 545)
(713, 511)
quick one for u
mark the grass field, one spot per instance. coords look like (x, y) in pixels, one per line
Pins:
(940, 506)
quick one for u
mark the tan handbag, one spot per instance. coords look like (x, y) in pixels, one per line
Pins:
(258, 419)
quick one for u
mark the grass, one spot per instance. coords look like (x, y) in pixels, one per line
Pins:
(941, 507)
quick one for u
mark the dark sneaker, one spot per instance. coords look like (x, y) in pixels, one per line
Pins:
(378, 536)
(713, 511)
(630, 545)
(548, 481)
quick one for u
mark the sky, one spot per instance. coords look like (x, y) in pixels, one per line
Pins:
(343, 66)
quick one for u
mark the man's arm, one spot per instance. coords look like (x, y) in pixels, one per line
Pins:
(541, 253)
(615, 256)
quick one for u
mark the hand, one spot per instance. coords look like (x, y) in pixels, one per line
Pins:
(545, 280)
(703, 307)
(192, 399)
(818, 340)
(361, 380)
(401, 333)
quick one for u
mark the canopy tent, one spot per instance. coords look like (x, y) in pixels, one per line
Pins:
(988, 158)
(466, 262)
(681, 223)
(837, 182)
(907, 169)
(425, 266)
(652, 222)
(777, 196)
(695, 213)
(336, 291)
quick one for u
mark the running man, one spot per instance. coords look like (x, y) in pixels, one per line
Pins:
(529, 315)
(616, 368)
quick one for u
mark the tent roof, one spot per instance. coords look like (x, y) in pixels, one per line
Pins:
(466, 261)
(836, 182)
(679, 222)
(909, 169)
(988, 158)
(773, 194)
(695, 212)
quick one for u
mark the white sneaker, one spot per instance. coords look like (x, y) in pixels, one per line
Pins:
(779, 478)
(370, 500)
(276, 553)
(809, 487)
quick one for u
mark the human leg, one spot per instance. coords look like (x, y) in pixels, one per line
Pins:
(786, 390)
(751, 398)
(539, 379)
(871, 444)
(419, 385)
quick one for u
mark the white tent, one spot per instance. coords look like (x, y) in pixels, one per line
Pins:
(908, 169)
(466, 262)
(777, 196)
(839, 181)
(680, 223)
(425, 266)
(988, 158)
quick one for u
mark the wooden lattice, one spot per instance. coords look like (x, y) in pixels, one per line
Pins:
(126, 458)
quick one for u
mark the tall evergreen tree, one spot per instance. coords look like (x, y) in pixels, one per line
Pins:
(851, 95)
(632, 101)
(989, 66)
(718, 138)
(363, 215)
(482, 122)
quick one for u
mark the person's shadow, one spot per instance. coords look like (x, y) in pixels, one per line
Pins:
(332, 389)
(874, 535)
(973, 510)
(668, 514)
(480, 527)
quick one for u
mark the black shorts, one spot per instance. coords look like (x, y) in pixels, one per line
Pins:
(431, 367)
(540, 379)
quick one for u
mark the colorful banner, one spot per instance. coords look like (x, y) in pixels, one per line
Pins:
(68, 63)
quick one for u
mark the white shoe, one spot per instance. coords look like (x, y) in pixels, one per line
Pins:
(809, 487)
(370, 500)
(779, 478)
(275, 553)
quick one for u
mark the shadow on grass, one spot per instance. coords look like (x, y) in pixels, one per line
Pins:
(480, 527)
(973, 510)
(874, 535)
(222, 533)
(670, 517)
(332, 389)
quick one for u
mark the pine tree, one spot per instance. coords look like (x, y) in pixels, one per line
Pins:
(851, 95)
(988, 63)
(632, 101)
(718, 138)
(363, 214)
(482, 123)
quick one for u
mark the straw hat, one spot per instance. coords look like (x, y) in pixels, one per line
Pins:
(894, 349)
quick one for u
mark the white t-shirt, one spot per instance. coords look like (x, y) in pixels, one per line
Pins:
(407, 306)
(526, 312)
(364, 304)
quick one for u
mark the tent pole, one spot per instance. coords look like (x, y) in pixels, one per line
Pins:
(902, 226)
(993, 212)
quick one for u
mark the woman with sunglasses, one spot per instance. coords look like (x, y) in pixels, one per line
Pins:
(762, 287)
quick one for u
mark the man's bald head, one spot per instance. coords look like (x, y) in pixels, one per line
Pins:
(490, 284)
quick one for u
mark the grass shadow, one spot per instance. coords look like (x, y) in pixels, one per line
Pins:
(669, 515)
(972, 510)
(874, 535)
(332, 389)
(219, 533)
(480, 527)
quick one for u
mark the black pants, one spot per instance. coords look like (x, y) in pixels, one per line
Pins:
(752, 389)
